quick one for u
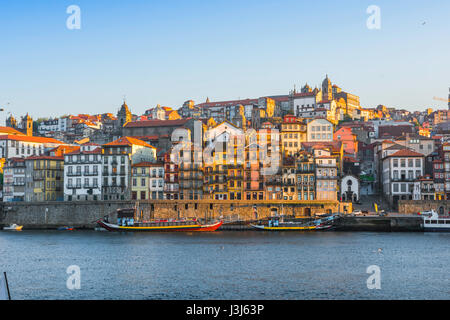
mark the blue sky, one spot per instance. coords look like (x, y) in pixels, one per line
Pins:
(168, 52)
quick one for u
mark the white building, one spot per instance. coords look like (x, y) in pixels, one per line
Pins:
(82, 174)
(399, 171)
(350, 188)
(14, 180)
(319, 130)
(118, 157)
(156, 184)
(16, 146)
(303, 102)
(53, 125)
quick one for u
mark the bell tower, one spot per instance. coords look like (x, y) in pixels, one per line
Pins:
(27, 125)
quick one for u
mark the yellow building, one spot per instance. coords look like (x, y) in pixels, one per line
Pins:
(293, 133)
(44, 178)
(140, 180)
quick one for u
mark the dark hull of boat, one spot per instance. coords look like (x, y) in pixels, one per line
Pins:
(169, 228)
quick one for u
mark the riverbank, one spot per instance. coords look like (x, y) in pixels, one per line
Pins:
(347, 223)
(83, 215)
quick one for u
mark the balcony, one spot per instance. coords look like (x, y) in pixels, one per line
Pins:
(90, 186)
(74, 174)
(90, 174)
(73, 186)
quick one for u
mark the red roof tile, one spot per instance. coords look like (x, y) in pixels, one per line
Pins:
(128, 141)
(406, 153)
(157, 123)
(29, 139)
(10, 130)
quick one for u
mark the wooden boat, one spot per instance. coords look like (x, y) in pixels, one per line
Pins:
(126, 221)
(325, 223)
(13, 227)
(161, 226)
(291, 228)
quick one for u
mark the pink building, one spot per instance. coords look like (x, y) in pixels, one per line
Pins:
(348, 139)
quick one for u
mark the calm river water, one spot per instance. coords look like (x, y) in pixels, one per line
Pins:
(226, 265)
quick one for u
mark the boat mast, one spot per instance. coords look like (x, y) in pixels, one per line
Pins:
(7, 286)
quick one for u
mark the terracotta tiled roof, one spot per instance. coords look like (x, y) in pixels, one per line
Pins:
(227, 103)
(157, 123)
(44, 158)
(406, 153)
(95, 151)
(90, 144)
(129, 141)
(29, 139)
(10, 130)
(63, 149)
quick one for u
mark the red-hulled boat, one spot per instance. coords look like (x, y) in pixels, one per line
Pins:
(126, 222)
(161, 226)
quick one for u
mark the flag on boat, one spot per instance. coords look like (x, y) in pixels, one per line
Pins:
(4, 290)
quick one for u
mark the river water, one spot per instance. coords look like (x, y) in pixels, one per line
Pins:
(226, 265)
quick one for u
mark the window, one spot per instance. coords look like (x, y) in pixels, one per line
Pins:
(403, 187)
(418, 163)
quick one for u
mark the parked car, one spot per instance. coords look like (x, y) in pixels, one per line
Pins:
(357, 212)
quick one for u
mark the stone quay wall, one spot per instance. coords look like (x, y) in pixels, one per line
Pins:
(415, 206)
(83, 214)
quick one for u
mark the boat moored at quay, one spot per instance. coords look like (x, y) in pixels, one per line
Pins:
(433, 222)
(274, 224)
(126, 223)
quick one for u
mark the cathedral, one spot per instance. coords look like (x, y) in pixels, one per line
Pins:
(329, 98)
(25, 125)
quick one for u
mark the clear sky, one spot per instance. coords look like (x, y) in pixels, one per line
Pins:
(168, 52)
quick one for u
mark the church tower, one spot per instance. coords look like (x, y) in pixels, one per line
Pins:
(124, 115)
(327, 90)
(11, 122)
(27, 125)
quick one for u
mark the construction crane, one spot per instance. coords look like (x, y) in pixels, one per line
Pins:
(441, 99)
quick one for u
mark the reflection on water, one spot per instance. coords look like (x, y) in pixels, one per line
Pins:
(226, 265)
